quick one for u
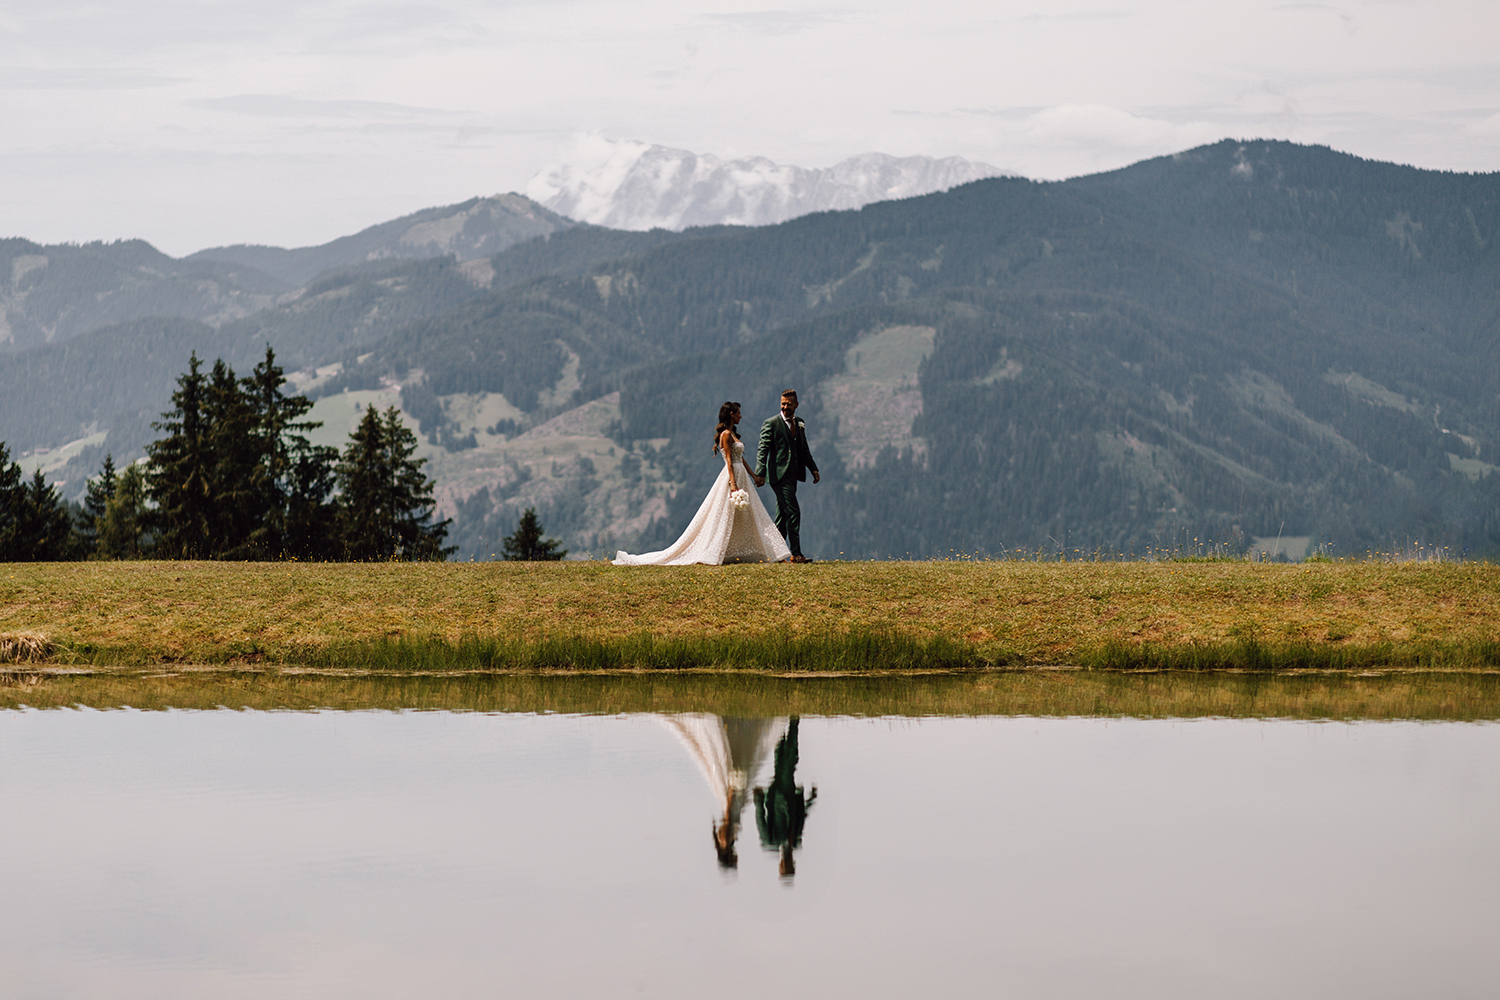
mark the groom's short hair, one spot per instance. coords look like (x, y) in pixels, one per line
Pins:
(790, 393)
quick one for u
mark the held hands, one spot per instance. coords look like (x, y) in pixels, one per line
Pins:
(760, 481)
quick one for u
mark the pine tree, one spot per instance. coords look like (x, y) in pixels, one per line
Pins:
(233, 448)
(235, 477)
(43, 526)
(385, 501)
(99, 491)
(311, 524)
(292, 479)
(525, 544)
(12, 506)
(48, 522)
(122, 526)
(181, 470)
(35, 524)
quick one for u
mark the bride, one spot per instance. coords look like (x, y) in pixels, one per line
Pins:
(732, 524)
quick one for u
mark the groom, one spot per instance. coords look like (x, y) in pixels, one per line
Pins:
(783, 460)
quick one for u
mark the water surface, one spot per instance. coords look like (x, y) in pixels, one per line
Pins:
(450, 854)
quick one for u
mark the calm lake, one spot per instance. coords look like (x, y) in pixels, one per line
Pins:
(225, 854)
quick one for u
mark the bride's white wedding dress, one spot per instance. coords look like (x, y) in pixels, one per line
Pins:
(719, 533)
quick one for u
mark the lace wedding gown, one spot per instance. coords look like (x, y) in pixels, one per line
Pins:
(719, 533)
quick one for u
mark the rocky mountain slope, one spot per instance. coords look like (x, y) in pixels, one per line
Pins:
(471, 230)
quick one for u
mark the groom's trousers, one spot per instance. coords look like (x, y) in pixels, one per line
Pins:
(788, 514)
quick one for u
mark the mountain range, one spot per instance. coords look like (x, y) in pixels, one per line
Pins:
(635, 185)
(55, 292)
(1244, 345)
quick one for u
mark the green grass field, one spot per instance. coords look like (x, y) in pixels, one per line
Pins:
(831, 616)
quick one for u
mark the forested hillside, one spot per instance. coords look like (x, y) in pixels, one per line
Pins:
(117, 377)
(1242, 341)
(51, 293)
(1245, 340)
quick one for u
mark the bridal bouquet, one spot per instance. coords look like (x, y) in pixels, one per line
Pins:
(739, 499)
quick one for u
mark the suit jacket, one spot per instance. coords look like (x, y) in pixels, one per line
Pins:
(779, 456)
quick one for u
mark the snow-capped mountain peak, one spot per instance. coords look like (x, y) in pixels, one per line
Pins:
(635, 185)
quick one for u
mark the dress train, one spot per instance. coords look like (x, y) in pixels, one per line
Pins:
(719, 533)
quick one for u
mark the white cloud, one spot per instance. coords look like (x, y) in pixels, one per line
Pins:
(1350, 24)
(277, 106)
(1100, 123)
(83, 78)
(589, 155)
(1039, 17)
(776, 22)
(1486, 126)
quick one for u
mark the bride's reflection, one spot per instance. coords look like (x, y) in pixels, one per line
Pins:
(781, 809)
(729, 752)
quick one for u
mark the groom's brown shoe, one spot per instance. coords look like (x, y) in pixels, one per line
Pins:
(800, 559)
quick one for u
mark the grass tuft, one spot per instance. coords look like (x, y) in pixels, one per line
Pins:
(24, 648)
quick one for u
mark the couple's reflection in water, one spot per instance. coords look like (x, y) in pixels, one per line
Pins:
(732, 753)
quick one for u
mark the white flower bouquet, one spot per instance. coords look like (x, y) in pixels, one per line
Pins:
(739, 499)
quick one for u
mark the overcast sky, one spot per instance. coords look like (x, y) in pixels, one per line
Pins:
(194, 123)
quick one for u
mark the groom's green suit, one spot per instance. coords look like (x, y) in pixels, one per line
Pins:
(783, 461)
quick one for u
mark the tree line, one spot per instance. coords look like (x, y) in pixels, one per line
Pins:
(233, 476)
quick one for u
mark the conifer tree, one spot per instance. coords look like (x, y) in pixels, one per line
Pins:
(96, 499)
(311, 521)
(12, 499)
(385, 501)
(290, 479)
(42, 529)
(181, 469)
(48, 522)
(13, 512)
(35, 524)
(122, 526)
(230, 429)
(525, 544)
(235, 477)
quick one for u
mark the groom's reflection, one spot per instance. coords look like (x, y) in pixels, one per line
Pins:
(781, 808)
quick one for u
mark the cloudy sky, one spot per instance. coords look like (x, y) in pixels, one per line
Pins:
(194, 123)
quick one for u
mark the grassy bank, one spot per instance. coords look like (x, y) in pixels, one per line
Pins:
(827, 616)
(1425, 696)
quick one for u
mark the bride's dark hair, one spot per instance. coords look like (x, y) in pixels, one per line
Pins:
(726, 423)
